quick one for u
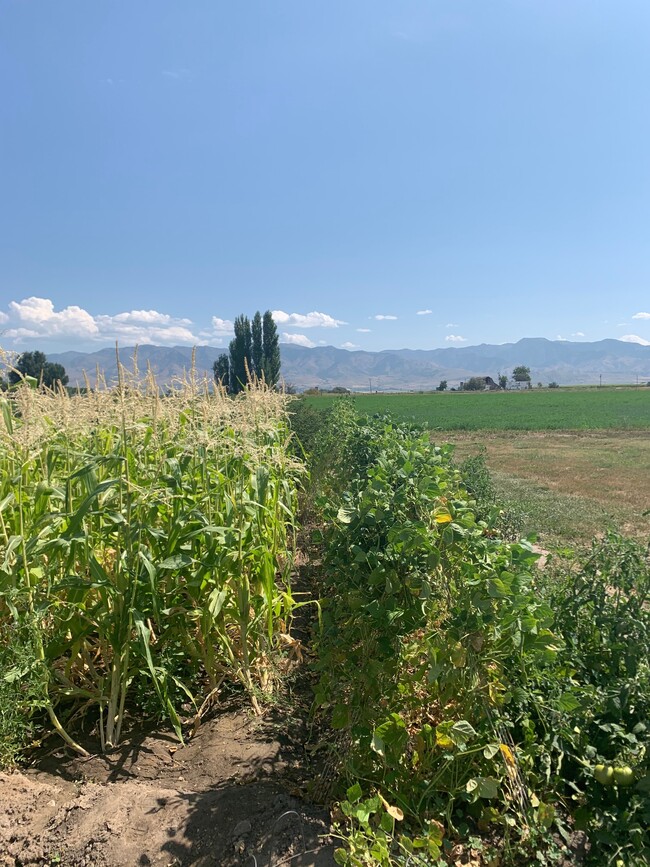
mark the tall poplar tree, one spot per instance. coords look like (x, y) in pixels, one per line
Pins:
(255, 349)
(258, 346)
(271, 346)
(240, 354)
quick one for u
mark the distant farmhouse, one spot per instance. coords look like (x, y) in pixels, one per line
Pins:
(478, 383)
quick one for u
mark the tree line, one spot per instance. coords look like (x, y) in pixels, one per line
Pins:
(254, 351)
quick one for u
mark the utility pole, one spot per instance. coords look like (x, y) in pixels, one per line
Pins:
(370, 383)
(601, 381)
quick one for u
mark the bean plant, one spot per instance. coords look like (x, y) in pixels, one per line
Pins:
(475, 697)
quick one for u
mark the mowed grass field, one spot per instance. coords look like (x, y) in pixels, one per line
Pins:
(569, 486)
(573, 462)
(534, 410)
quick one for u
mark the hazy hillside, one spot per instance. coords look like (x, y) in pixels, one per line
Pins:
(327, 366)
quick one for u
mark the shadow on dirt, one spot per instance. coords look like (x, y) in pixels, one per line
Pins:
(259, 824)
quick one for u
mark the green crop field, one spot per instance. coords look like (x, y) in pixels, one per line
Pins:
(558, 409)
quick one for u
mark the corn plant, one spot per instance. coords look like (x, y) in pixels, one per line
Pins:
(152, 537)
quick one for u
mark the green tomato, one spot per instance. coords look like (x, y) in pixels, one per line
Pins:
(604, 775)
(624, 776)
(458, 655)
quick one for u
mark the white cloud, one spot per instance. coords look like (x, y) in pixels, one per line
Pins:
(424, 312)
(148, 317)
(35, 318)
(451, 325)
(559, 337)
(306, 320)
(455, 338)
(634, 338)
(364, 330)
(381, 316)
(19, 334)
(578, 334)
(641, 316)
(349, 345)
(298, 340)
(222, 327)
(40, 316)
(3, 317)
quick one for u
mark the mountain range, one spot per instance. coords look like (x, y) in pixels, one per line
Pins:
(562, 361)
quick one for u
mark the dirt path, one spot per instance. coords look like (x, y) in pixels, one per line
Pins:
(216, 801)
(235, 795)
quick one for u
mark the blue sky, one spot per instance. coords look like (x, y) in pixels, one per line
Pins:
(470, 171)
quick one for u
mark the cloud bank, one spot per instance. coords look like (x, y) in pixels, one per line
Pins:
(36, 318)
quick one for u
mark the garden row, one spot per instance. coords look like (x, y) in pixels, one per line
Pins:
(481, 707)
(145, 550)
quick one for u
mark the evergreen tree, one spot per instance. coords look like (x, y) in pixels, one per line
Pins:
(271, 345)
(258, 347)
(221, 369)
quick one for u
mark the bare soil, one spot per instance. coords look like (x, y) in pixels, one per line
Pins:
(237, 794)
(219, 800)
